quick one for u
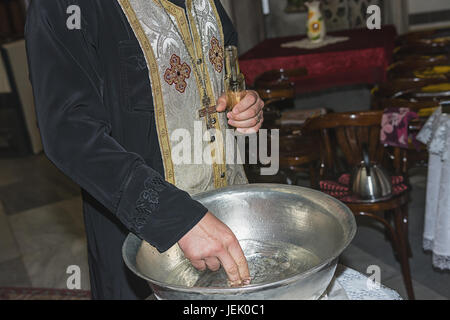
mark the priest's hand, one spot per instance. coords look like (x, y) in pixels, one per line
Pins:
(247, 115)
(211, 244)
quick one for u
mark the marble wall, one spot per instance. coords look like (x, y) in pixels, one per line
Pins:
(248, 20)
(280, 24)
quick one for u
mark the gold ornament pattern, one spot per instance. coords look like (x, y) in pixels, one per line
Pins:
(178, 73)
(216, 55)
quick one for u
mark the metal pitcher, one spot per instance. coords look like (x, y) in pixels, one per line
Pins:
(370, 181)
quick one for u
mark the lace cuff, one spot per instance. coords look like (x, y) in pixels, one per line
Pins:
(141, 198)
(155, 210)
(148, 201)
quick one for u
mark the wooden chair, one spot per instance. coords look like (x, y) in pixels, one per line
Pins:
(277, 85)
(413, 61)
(424, 49)
(414, 90)
(269, 82)
(424, 37)
(438, 92)
(444, 58)
(277, 89)
(420, 70)
(299, 153)
(342, 135)
(402, 103)
(406, 88)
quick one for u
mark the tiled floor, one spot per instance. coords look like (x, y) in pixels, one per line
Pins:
(23, 187)
(41, 225)
(51, 238)
(41, 234)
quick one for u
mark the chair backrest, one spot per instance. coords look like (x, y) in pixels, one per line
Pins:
(433, 92)
(419, 69)
(342, 136)
(421, 49)
(278, 76)
(278, 84)
(402, 103)
(276, 89)
(407, 89)
(424, 37)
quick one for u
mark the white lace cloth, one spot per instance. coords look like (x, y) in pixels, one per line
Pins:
(349, 284)
(436, 236)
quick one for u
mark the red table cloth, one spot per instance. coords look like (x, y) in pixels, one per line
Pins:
(362, 59)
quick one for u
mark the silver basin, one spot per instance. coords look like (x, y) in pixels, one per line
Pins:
(292, 237)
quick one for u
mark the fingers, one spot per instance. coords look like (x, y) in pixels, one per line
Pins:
(248, 122)
(199, 265)
(252, 130)
(211, 244)
(234, 262)
(247, 116)
(248, 113)
(221, 103)
(238, 256)
(231, 268)
(212, 263)
(250, 99)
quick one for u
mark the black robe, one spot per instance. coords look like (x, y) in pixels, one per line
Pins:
(95, 113)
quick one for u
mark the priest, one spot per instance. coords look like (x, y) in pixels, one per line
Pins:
(112, 81)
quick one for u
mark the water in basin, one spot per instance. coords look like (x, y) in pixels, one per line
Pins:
(268, 262)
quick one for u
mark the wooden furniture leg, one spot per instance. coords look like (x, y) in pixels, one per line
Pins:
(403, 252)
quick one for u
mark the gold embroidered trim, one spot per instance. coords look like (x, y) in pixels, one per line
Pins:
(221, 168)
(182, 23)
(218, 168)
(161, 125)
(219, 22)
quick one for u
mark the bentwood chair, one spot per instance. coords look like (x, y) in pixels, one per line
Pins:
(277, 89)
(425, 37)
(299, 153)
(420, 70)
(408, 89)
(342, 136)
(415, 57)
(276, 84)
(422, 49)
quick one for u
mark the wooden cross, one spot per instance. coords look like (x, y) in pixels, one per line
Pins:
(207, 111)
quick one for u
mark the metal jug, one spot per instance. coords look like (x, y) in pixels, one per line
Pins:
(370, 181)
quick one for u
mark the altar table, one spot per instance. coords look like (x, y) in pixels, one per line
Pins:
(362, 59)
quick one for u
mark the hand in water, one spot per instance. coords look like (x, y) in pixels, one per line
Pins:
(247, 115)
(211, 244)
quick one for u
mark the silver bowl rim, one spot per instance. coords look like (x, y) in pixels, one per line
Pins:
(254, 287)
